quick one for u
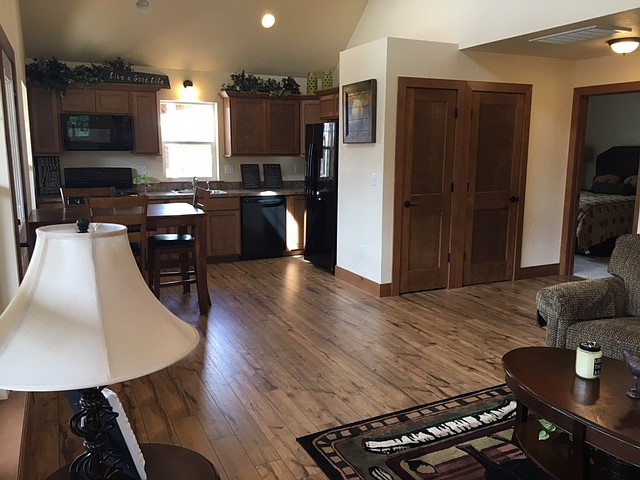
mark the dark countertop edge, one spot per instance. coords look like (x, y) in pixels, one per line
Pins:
(173, 195)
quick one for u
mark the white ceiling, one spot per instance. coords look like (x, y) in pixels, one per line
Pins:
(226, 35)
(575, 51)
(206, 35)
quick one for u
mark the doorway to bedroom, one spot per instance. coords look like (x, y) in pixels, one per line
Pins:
(600, 199)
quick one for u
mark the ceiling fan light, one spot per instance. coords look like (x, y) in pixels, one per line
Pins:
(624, 45)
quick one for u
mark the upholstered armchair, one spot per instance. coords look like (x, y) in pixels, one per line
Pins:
(605, 310)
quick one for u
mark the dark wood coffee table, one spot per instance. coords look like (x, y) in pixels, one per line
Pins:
(596, 412)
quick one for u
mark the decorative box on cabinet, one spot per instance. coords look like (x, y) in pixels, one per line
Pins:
(256, 124)
(296, 223)
(329, 103)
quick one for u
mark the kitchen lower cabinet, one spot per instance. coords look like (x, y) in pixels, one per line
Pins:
(223, 228)
(296, 224)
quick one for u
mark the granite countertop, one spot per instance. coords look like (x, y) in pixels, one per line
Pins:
(188, 193)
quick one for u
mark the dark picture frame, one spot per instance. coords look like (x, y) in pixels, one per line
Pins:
(359, 112)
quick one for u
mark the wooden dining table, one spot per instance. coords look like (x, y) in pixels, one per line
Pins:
(159, 215)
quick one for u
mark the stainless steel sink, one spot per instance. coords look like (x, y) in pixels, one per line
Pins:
(183, 190)
(217, 192)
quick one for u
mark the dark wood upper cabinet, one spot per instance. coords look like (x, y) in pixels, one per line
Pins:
(46, 106)
(256, 124)
(329, 103)
(146, 124)
(45, 126)
(78, 100)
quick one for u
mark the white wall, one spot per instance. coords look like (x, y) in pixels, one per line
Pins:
(8, 263)
(473, 22)
(206, 85)
(368, 212)
(362, 245)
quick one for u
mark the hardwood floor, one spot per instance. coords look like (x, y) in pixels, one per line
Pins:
(287, 350)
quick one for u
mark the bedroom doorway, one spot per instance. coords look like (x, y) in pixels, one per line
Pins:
(577, 170)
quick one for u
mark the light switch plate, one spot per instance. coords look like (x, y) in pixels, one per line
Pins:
(141, 169)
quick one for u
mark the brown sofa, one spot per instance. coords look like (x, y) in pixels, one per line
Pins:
(605, 310)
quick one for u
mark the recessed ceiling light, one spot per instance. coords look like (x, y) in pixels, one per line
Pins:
(142, 4)
(268, 20)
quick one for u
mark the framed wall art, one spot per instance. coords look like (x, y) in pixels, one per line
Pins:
(359, 112)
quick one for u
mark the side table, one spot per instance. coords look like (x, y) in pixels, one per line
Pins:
(164, 462)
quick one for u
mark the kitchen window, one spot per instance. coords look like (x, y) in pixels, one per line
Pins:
(189, 139)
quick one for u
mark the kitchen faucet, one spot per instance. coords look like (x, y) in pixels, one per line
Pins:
(194, 183)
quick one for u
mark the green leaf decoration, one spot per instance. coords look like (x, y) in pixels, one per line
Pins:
(543, 435)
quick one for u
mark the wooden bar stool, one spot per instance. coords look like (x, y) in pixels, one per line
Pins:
(163, 247)
(80, 196)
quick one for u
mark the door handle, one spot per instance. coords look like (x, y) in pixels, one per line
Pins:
(408, 204)
(515, 199)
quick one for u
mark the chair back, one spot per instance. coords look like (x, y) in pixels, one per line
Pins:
(79, 196)
(624, 264)
(200, 196)
(130, 212)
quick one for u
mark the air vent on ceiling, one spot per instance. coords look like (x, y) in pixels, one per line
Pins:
(581, 34)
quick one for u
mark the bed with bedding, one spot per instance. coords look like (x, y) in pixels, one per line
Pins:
(607, 210)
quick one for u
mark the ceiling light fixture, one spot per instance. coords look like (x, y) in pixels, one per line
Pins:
(268, 20)
(142, 4)
(624, 45)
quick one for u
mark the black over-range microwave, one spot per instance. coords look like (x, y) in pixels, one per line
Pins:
(97, 132)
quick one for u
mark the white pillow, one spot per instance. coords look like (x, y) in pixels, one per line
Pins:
(607, 178)
(633, 180)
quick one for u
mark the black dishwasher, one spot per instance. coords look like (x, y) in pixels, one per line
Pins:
(263, 227)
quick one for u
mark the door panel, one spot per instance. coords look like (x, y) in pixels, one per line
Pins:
(495, 154)
(429, 138)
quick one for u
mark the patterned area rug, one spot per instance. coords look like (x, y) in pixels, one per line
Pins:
(456, 438)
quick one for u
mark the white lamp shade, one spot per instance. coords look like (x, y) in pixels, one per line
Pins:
(84, 317)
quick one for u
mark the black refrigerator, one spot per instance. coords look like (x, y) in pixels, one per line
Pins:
(321, 190)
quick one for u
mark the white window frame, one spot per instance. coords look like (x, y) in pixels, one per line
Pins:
(215, 157)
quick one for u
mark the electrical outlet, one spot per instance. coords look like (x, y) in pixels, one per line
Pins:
(362, 251)
(141, 169)
(374, 179)
(228, 169)
(4, 394)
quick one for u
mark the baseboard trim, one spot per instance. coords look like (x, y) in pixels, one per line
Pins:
(549, 270)
(369, 286)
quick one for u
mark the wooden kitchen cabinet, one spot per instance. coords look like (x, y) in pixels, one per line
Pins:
(90, 100)
(223, 228)
(329, 103)
(309, 114)
(45, 125)
(46, 106)
(296, 223)
(256, 124)
(78, 100)
(146, 123)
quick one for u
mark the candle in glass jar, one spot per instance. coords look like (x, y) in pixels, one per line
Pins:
(588, 360)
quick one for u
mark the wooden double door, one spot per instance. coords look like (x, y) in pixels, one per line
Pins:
(460, 175)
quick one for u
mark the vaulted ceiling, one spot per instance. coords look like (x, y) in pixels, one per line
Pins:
(206, 35)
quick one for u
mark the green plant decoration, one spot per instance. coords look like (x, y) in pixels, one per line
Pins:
(247, 82)
(53, 74)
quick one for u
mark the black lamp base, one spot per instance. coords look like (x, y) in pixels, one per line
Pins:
(161, 463)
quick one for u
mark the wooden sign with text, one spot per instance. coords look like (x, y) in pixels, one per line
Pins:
(136, 78)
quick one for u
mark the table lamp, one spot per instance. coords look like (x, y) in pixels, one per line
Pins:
(84, 318)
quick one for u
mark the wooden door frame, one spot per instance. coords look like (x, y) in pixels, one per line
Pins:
(5, 46)
(577, 135)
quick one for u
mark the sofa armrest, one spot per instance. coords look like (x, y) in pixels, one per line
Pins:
(566, 303)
